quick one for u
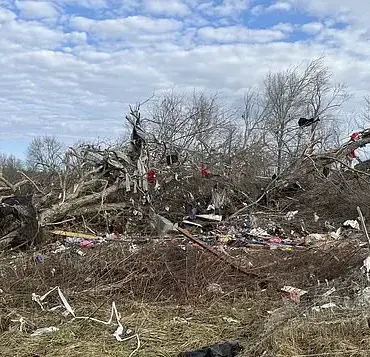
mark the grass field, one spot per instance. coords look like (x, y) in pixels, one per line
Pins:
(164, 299)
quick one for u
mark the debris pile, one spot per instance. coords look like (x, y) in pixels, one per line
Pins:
(118, 223)
(123, 190)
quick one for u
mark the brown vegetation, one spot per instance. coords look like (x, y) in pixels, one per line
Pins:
(259, 166)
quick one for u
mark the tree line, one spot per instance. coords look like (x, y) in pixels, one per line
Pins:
(201, 127)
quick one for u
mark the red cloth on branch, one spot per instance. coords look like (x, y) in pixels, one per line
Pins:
(151, 176)
(355, 136)
(204, 171)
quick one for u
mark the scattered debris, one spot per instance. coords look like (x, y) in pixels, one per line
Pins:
(59, 247)
(210, 217)
(215, 288)
(352, 224)
(315, 237)
(329, 292)
(181, 320)
(163, 225)
(366, 267)
(363, 224)
(121, 334)
(222, 349)
(190, 223)
(363, 297)
(329, 305)
(336, 234)
(231, 320)
(258, 232)
(44, 330)
(294, 294)
(128, 196)
(221, 256)
(74, 234)
(290, 215)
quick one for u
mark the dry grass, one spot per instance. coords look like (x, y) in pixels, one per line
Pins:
(343, 333)
(163, 330)
(161, 293)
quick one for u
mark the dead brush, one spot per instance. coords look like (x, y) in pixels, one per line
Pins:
(152, 273)
(162, 292)
(169, 272)
(331, 333)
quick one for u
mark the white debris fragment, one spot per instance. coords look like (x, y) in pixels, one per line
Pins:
(336, 235)
(290, 215)
(210, 217)
(363, 298)
(181, 320)
(163, 225)
(230, 320)
(215, 288)
(329, 305)
(190, 223)
(44, 330)
(366, 267)
(121, 334)
(352, 223)
(329, 292)
(59, 248)
(258, 232)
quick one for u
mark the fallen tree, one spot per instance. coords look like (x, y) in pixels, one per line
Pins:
(19, 224)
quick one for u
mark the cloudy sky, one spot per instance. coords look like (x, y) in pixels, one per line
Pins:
(70, 67)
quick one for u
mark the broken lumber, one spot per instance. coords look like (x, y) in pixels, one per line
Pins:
(219, 255)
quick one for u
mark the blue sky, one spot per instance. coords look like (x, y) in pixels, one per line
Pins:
(70, 68)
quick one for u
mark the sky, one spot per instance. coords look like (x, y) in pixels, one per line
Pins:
(69, 68)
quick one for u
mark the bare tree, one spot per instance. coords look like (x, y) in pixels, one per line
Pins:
(365, 112)
(252, 119)
(10, 167)
(45, 153)
(291, 94)
(194, 123)
(10, 161)
(323, 101)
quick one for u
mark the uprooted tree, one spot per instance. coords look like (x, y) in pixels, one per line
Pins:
(95, 188)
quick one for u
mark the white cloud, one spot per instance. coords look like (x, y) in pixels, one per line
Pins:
(257, 10)
(230, 8)
(6, 15)
(284, 27)
(36, 9)
(312, 27)
(239, 34)
(341, 10)
(128, 26)
(74, 78)
(31, 35)
(90, 4)
(165, 7)
(279, 6)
